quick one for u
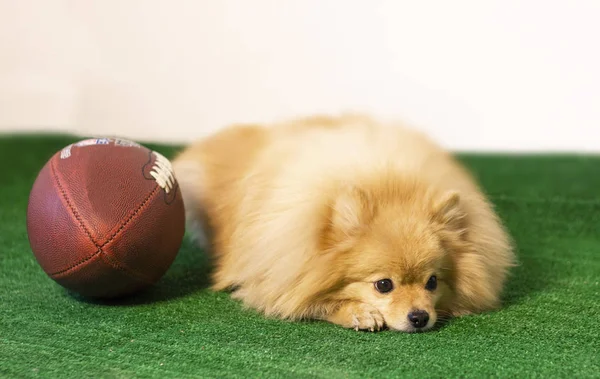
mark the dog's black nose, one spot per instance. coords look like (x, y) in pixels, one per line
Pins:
(418, 319)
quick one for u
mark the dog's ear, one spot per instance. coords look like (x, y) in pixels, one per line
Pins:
(351, 210)
(446, 210)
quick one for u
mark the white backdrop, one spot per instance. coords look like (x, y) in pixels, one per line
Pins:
(478, 75)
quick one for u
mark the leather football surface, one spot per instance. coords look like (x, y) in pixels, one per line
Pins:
(105, 217)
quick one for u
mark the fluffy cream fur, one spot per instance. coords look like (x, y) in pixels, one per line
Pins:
(303, 217)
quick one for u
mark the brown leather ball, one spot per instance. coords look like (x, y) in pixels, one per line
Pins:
(105, 217)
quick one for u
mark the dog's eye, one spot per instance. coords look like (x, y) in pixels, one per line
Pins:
(431, 283)
(384, 285)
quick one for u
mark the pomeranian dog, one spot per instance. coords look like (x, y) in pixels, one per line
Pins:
(345, 219)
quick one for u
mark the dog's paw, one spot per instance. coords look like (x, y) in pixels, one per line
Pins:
(358, 316)
(366, 317)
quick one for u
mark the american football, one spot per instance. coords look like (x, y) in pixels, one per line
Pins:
(105, 217)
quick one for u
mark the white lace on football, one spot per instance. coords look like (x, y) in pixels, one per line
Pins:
(162, 172)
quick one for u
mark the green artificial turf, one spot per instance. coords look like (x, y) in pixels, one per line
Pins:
(549, 326)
